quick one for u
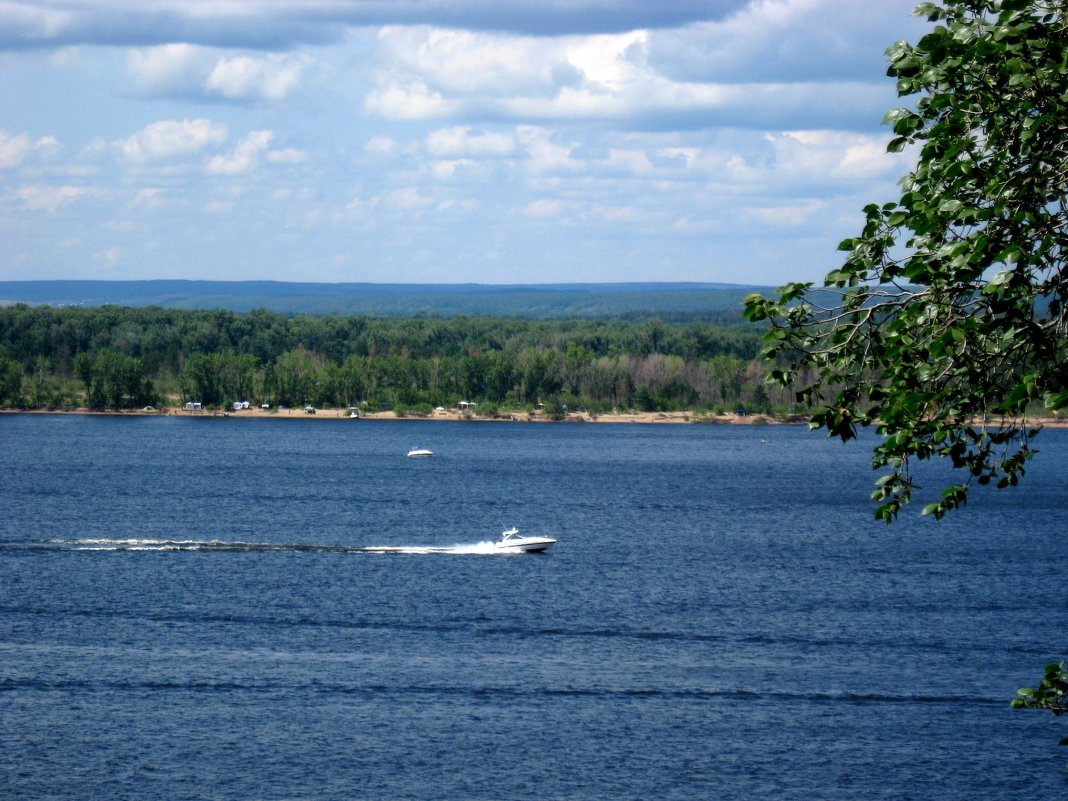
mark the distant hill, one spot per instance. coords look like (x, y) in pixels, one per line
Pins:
(721, 302)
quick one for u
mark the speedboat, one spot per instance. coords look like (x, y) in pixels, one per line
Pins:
(511, 542)
(414, 452)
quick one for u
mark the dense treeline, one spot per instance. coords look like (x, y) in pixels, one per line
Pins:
(119, 357)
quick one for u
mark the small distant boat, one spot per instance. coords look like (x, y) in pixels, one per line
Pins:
(511, 542)
(416, 452)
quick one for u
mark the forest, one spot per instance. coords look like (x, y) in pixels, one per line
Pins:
(112, 357)
(712, 302)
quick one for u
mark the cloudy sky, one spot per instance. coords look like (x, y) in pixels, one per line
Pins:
(442, 141)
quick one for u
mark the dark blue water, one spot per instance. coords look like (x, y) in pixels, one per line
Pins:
(197, 609)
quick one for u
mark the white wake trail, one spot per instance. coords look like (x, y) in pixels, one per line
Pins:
(135, 544)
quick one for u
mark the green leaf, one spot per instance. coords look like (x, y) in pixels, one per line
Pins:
(970, 253)
(1056, 400)
(933, 509)
(1000, 280)
(1009, 255)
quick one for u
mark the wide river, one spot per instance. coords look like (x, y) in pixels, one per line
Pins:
(292, 609)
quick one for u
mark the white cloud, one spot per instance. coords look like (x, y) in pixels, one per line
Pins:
(688, 225)
(545, 207)
(633, 162)
(16, 148)
(358, 207)
(472, 62)
(611, 129)
(444, 170)
(785, 40)
(168, 69)
(270, 78)
(617, 215)
(463, 140)
(463, 205)
(609, 62)
(432, 74)
(13, 149)
(833, 155)
(281, 24)
(787, 214)
(244, 157)
(149, 197)
(678, 157)
(289, 155)
(171, 139)
(50, 198)
(543, 154)
(189, 70)
(408, 100)
(408, 197)
(381, 146)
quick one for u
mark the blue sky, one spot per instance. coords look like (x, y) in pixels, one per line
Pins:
(442, 141)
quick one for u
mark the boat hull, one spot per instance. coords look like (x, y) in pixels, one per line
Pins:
(524, 545)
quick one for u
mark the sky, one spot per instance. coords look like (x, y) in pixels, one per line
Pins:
(443, 141)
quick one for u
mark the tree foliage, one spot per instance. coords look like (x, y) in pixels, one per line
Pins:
(114, 381)
(10, 382)
(1051, 693)
(946, 323)
(218, 357)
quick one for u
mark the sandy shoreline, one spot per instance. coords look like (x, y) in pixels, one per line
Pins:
(644, 418)
(449, 414)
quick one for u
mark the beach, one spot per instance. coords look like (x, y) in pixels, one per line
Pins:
(467, 415)
(502, 417)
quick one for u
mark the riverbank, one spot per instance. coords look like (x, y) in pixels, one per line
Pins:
(642, 418)
(533, 417)
(441, 415)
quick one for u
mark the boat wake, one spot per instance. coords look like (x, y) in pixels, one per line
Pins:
(94, 544)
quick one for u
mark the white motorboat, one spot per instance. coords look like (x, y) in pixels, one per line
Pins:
(511, 542)
(417, 452)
